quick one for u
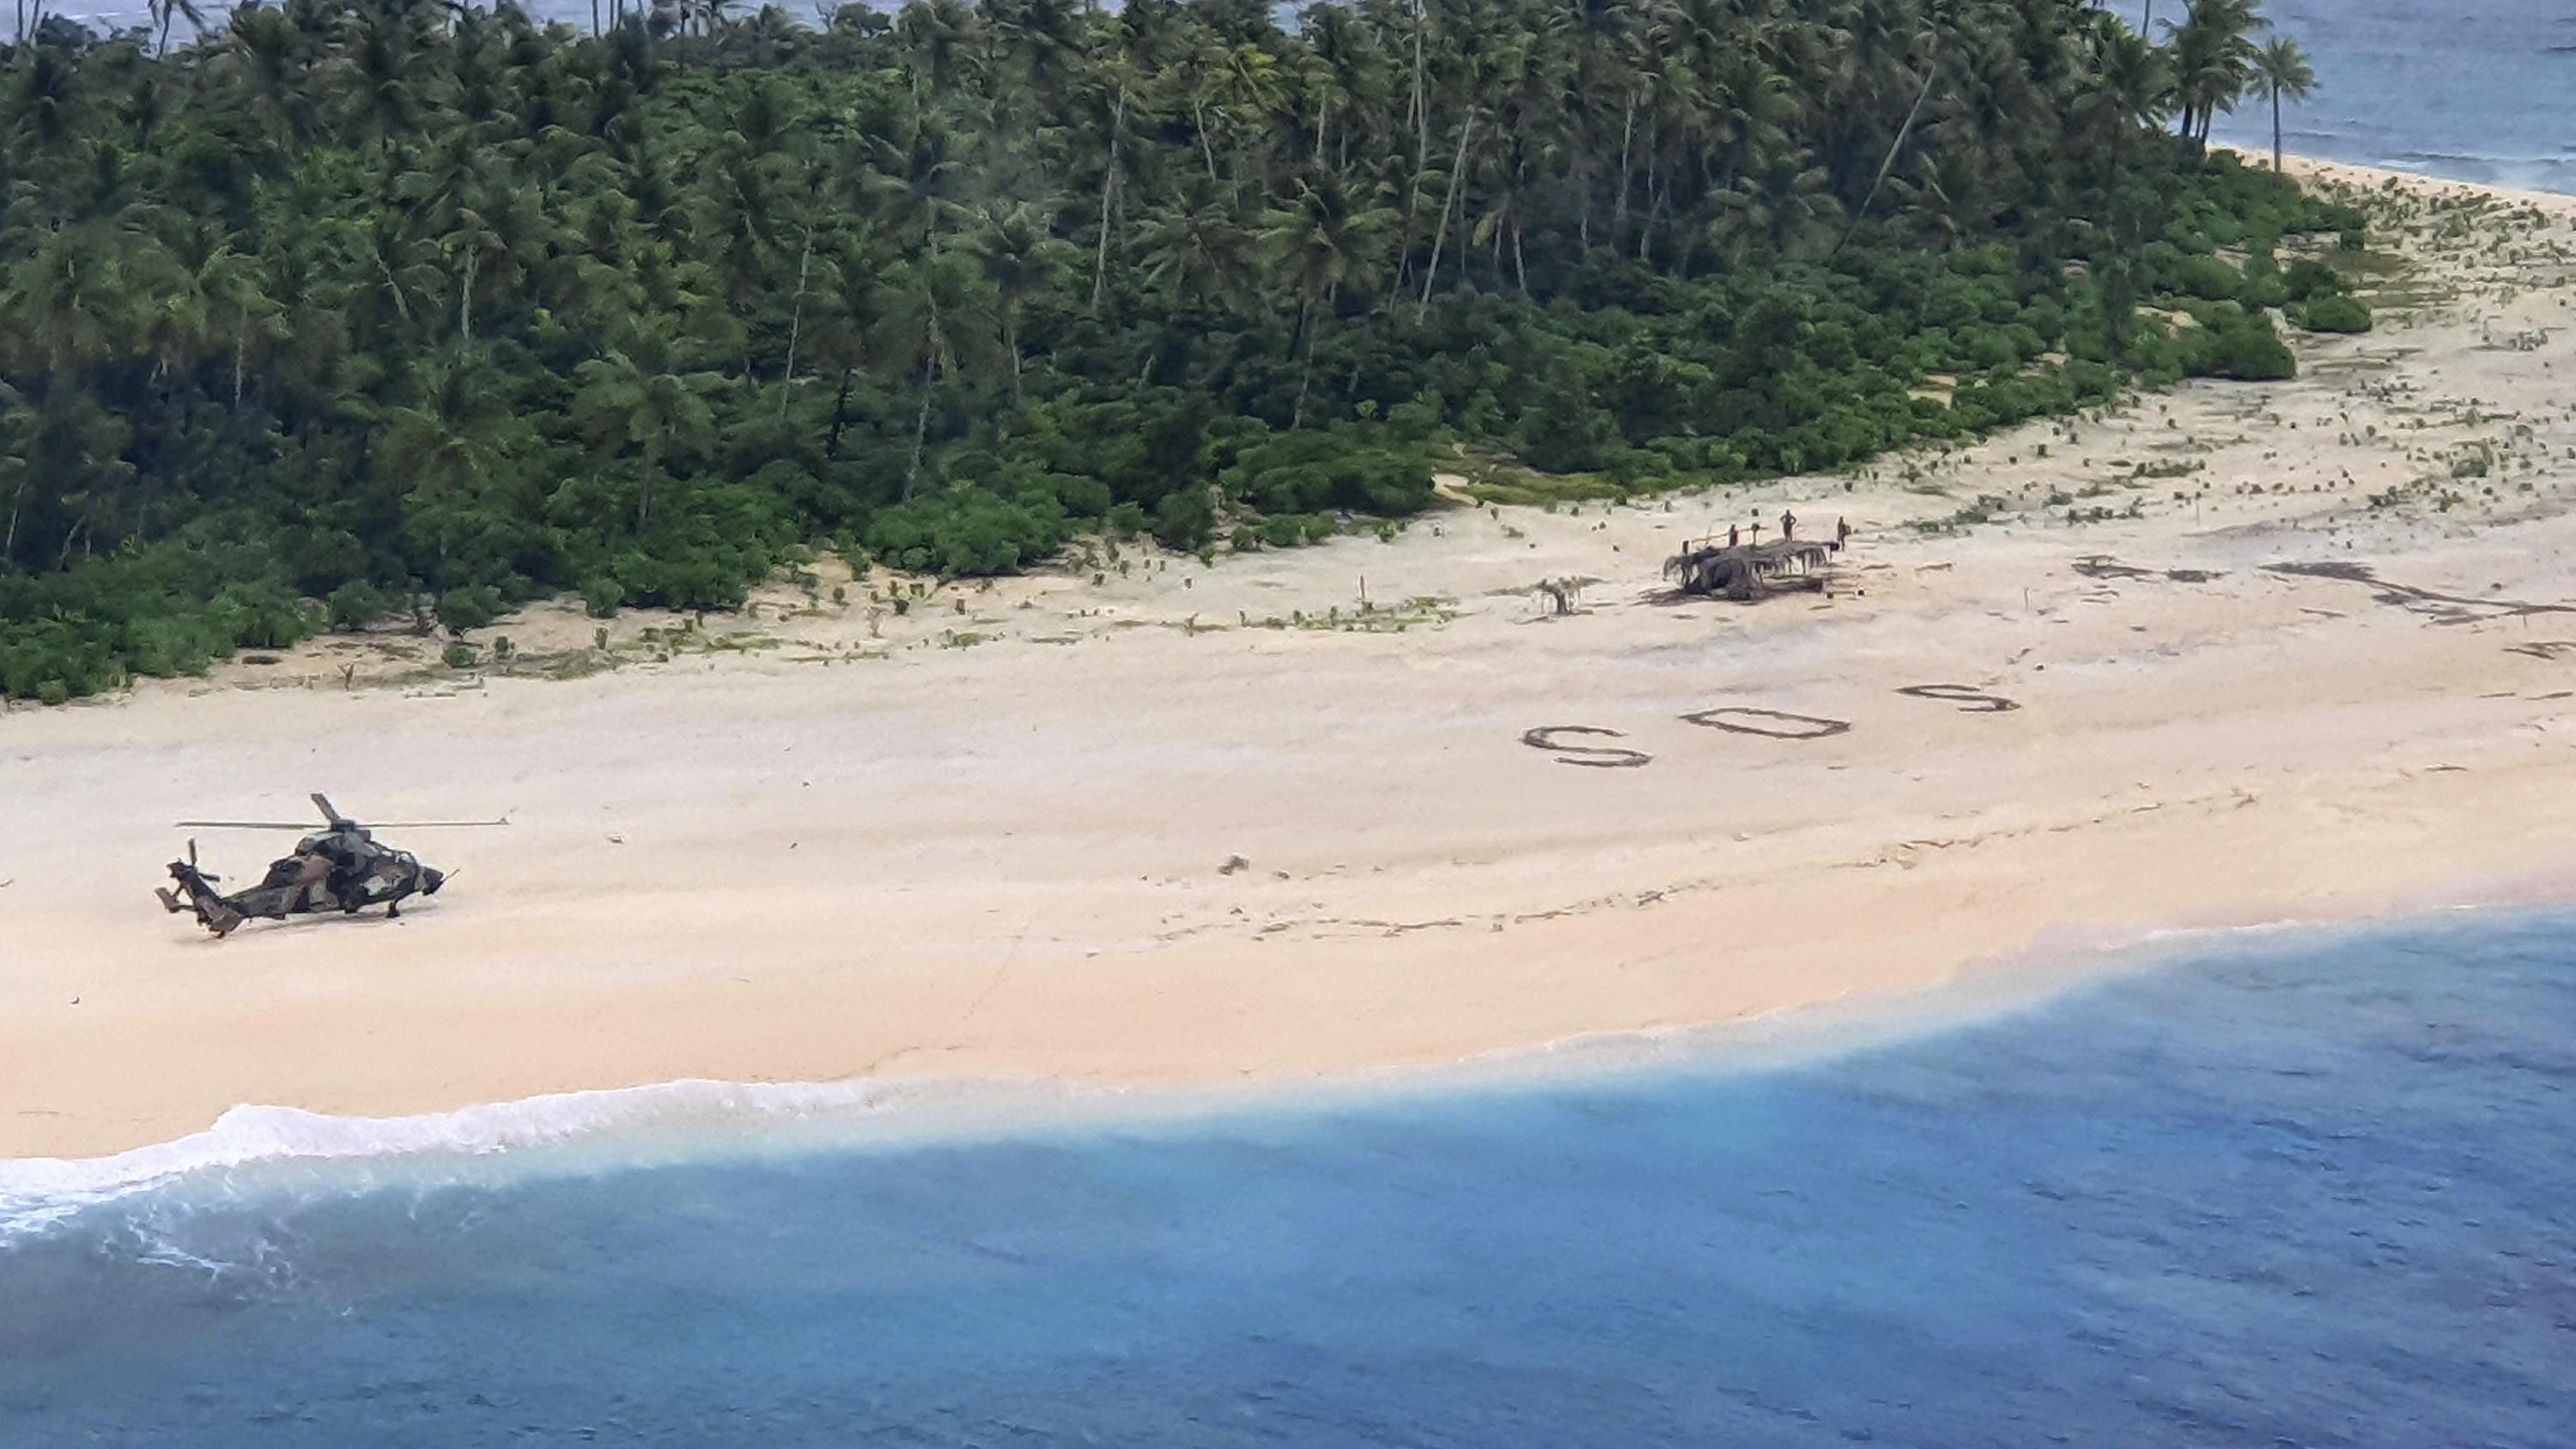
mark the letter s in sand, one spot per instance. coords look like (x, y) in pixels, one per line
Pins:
(1969, 698)
(1610, 756)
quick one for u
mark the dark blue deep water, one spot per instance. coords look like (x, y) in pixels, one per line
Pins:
(2307, 1192)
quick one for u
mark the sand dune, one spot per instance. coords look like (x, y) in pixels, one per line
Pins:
(1127, 829)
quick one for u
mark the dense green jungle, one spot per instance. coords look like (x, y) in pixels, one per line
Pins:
(340, 311)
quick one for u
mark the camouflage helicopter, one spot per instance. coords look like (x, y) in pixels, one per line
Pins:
(339, 868)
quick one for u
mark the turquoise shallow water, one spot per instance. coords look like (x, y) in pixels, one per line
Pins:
(2311, 1191)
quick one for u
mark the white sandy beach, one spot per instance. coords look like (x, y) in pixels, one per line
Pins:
(1123, 831)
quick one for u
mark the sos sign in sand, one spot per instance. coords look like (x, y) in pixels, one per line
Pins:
(1573, 744)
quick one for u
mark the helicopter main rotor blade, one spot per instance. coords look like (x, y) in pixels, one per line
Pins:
(309, 828)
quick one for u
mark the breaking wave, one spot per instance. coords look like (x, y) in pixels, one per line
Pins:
(252, 1147)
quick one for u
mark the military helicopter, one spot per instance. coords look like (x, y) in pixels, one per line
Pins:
(339, 868)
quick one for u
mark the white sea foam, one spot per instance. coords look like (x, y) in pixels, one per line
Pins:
(38, 1192)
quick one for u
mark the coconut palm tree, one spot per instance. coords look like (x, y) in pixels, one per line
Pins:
(240, 314)
(67, 302)
(1329, 236)
(641, 395)
(2213, 54)
(162, 12)
(1022, 260)
(1194, 250)
(454, 447)
(937, 316)
(2281, 68)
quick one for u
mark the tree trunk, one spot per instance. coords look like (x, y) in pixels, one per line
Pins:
(644, 500)
(1421, 110)
(465, 309)
(1108, 195)
(1198, 119)
(1654, 207)
(1011, 340)
(1619, 208)
(241, 344)
(1448, 202)
(1306, 373)
(2276, 129)
(1583, 212)
(920, 437)
(63, 560)
(796, 322)
(840, 416)
(1887, 162)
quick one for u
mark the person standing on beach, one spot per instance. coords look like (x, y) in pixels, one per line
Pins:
(1788, 525)
(1733, 535)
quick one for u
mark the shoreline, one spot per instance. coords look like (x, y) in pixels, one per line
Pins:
(1066, 849)
(258, 1147)
(2356, 173)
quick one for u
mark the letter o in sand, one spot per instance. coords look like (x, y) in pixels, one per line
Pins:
(1734, 719)
(1610, 757)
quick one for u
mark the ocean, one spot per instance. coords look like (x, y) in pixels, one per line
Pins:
(2472, 90)
(2293, 1189)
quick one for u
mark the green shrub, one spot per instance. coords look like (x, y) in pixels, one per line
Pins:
(2337, 313)
(463, 609)
(968, 531)
(1340, 468)
(459, 654)
(2307, 277)
(1283, 530)
(261, 615)
(355, 605)
(2204, 277)
(2263, 285)
(2240, 347)
(601, 598)
(1186, 520)
(170, 645)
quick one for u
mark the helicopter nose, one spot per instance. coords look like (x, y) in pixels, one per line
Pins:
(431, 880)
